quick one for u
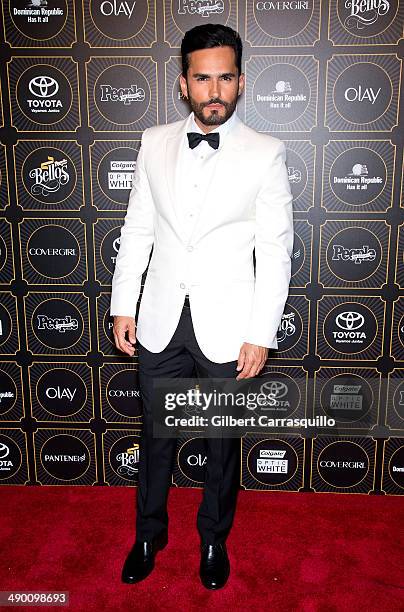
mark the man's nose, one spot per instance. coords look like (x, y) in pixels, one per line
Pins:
(214, 89)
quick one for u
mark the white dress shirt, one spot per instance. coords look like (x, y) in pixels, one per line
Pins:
(194, 172)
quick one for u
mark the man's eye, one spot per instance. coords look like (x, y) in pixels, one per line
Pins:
(227, 78)
(201, 79)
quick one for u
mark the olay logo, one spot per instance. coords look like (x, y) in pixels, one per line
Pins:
(361, 94)
(117, 8)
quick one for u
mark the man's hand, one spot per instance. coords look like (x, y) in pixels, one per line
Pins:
(251, 360)
(121, 326)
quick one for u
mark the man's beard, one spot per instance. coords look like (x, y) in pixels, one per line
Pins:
(214, 118)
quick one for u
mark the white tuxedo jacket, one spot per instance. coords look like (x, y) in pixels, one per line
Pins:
(247, 205)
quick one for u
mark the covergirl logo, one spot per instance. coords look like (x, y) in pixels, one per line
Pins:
(283, 19)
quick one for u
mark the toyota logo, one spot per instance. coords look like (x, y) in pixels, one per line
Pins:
(274, 388)
(4, 450)
(349, 320)
(116, 244)
(43, 86)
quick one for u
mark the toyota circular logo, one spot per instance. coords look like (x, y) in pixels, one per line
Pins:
(349, 320)
(274, 388)
(116, 244)
(43, 86)
(4, 450)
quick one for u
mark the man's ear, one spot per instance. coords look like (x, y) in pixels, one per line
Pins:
(241, 83)
(184, 86)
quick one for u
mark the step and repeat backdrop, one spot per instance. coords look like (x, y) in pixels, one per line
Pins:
(80, 81)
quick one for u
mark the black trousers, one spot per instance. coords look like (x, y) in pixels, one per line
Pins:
(183, 358)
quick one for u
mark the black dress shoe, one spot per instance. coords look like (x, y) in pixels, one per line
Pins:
(140, 561)
(215, 566)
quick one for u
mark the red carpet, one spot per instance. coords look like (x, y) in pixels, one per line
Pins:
(288, 551)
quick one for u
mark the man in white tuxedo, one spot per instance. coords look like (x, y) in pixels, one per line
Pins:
(207, 191)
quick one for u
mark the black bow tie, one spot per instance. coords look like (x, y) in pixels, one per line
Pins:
(194, 138)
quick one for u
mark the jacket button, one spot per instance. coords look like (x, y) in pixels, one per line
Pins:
(182, 285)
(190, 248)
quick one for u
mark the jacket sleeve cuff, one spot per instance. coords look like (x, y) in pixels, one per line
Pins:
(271, 343)
(122, 314)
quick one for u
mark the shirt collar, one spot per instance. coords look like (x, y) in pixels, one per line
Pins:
(223, 129)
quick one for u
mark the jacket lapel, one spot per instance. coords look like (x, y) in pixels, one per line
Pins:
(172, 157)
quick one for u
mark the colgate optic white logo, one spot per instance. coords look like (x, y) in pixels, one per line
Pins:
(272, 461)
(204, 8)
(365, 12)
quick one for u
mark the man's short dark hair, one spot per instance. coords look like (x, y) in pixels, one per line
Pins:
(208, 36)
